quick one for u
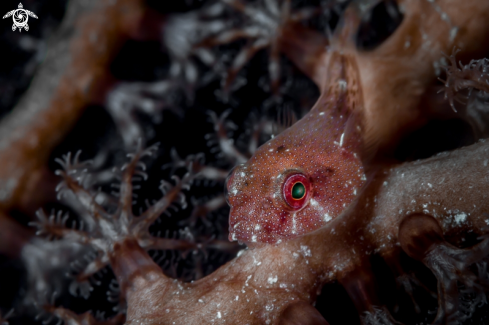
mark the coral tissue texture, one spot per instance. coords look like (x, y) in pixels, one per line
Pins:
(245, 162)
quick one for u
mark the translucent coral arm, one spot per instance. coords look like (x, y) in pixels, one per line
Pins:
(470, 76)
(93, 267)
(171, 194)
(133, 168)
(272, 24)
(226, 144)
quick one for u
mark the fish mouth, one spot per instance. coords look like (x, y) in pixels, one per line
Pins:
(238, 231)
(243, 231)
(251, 234)
(232, 233)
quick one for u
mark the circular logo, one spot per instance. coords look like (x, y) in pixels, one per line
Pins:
(20, 17)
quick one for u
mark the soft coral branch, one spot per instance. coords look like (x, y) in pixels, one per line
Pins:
(61, 91)
(338, 249)
(263, 283)
(402, 69)
(105, 230)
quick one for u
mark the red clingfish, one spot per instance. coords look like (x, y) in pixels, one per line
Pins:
(309, 174)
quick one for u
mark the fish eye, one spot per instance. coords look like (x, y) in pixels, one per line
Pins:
(296, 190)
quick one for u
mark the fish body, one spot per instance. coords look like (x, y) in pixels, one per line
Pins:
(309, 174)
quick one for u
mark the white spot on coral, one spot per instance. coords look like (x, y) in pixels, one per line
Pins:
(255, 261)
(248, 279)
(459, 218)
(306, 251)
(453, 33)
(241, 252)
(272, 280)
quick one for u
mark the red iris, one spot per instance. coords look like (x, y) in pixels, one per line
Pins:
(296, 190)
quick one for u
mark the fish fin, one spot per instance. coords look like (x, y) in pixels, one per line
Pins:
(286, 117)
(370, 172)
(354, 137)
(370, 145)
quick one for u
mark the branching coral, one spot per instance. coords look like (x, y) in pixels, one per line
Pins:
(54, 103)
(104, 228)
(265, 24)
(400, 71)
(432, 210)
(265, 289)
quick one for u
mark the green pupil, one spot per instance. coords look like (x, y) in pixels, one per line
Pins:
(298, 191)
